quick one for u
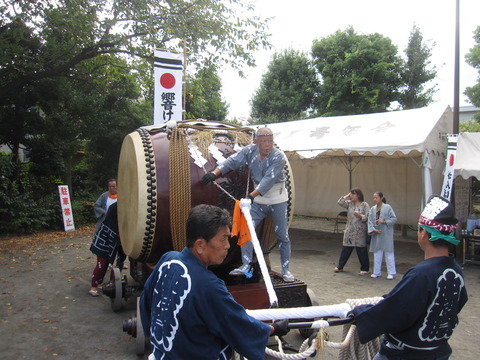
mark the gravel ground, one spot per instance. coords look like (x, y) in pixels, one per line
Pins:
(46, 312)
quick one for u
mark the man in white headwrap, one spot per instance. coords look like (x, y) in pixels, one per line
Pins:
(420, 314)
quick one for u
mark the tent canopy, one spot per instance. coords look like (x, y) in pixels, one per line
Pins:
(467, 161)
(387, 134)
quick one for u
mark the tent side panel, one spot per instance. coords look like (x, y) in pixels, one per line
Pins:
(320, 182)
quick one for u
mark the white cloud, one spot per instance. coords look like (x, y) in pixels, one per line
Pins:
(297, 23)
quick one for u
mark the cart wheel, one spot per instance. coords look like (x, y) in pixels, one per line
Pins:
(306, 333)
(140, 339)
(312, 297)
(116, 280)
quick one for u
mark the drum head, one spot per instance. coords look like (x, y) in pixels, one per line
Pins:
(132, 204)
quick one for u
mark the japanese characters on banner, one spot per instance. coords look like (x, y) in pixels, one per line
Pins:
(449, 167)
(66, 208)
(168, 68)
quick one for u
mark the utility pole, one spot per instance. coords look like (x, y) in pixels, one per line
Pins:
(456, 89)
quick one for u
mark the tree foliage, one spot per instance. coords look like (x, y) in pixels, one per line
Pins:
(360, 73)
(67, 33)
(415, 73)
(286, 90)
(76, 76)
(203, 96)
(473, 58)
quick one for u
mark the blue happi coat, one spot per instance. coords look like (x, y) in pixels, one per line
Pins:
(189, 314)
(420, 314)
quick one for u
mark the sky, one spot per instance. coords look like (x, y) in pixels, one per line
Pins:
(297, 23)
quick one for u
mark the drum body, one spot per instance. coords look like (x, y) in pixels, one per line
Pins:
(156, 190)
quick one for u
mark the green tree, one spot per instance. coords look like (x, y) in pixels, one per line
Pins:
(473, 59)
(471, 125)
(415, 73)
(360, 73)
(203, 96)
(286, 90)
(76, 77)
(72, 32)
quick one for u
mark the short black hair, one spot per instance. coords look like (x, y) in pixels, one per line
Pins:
(204, 222)
(439, 242)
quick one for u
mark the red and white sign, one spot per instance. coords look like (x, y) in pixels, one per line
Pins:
(66, 208)
(168, 68)
(449, 167)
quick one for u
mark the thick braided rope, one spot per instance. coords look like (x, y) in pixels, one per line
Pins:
(356, 350)
(349, 348)
(303, 353)
(180, 187)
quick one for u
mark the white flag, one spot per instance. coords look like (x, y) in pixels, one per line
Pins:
(66, 208)
(168, 68)
(449, 167)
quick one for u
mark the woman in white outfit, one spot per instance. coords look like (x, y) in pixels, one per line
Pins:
(381, 220)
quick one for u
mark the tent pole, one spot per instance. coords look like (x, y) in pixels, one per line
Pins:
(350, 170)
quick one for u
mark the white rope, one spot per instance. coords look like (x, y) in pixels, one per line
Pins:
(245, 205)
(371, 300)
(303, 352)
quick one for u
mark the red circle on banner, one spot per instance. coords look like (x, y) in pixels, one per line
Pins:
(452, 160)
(167, 80)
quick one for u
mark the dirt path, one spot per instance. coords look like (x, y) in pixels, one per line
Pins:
(46, 312)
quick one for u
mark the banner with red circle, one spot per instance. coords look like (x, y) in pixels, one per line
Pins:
(168, 74)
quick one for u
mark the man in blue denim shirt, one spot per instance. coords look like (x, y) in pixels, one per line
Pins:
(269, 198)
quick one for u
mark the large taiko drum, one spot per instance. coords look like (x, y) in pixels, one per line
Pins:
(159, 181)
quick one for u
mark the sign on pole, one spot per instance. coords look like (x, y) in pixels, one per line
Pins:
(168, 68)
(66, 208)
(449, 166)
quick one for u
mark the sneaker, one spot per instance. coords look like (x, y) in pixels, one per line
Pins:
(363, 273)
(337, 270)
(390, 277)
(94, 292)
(288, 276)
(245, 268)
(375, 276)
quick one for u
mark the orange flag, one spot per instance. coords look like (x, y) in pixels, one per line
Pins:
(240, 226)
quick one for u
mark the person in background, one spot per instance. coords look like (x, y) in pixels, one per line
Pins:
(419, 315)
(187, 310)
(381, 221)
(266, 164)
(355, 234)
(104, 201)
(105, 244)
(100, 208)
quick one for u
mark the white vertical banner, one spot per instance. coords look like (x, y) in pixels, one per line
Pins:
(66, 208)
(168, 68)
(447, 186)
(427, 178)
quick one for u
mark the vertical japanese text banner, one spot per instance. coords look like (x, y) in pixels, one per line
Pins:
(66, 208)
(449, 167)
(168, 68)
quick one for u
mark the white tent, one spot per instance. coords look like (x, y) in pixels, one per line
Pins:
(400, 153)
(467, 161)
(467, 165)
